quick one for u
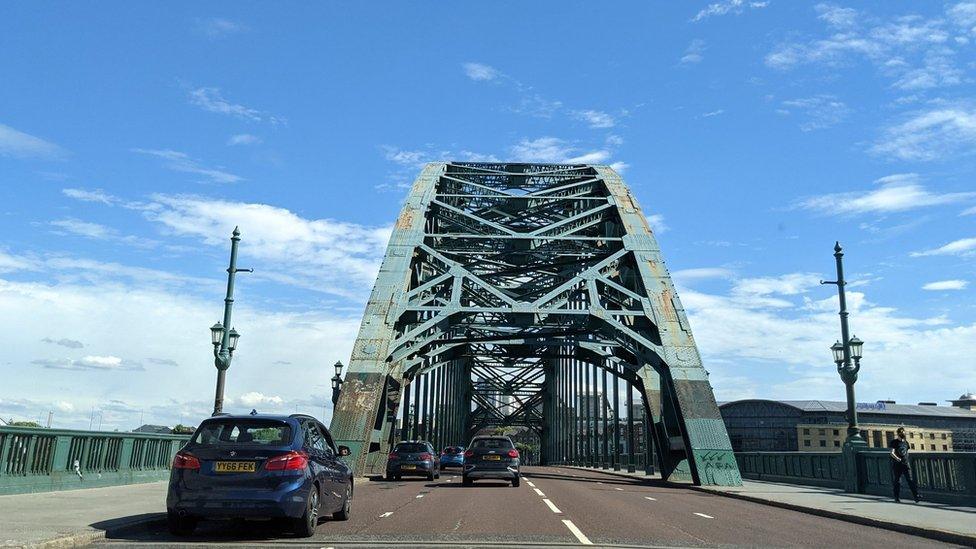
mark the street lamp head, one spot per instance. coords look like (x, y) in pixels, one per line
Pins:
(216, 333)
(838, 349)
(338, 368)
(856, 346)
(233, 336)
(335, 383)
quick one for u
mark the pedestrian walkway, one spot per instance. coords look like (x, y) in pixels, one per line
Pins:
(75, 518)
(955, 524)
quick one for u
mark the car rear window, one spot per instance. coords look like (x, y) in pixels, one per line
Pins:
(450, 450)
(235, 432)
(493, 443)
(411, 448)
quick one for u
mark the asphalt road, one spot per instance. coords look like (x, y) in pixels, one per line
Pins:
(553, 506)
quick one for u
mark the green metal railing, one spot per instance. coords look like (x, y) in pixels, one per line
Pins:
(948, 477)
(45, 460)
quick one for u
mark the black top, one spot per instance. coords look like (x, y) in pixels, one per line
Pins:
(900, 446)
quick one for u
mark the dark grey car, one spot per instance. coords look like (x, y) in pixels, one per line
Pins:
(413, 458)
(491, 457)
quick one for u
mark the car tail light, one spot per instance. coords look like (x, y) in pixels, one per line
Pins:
(185, 461)
(393, 456)
(425, 456)
(469, 453)
(287, 462)
(513, 453)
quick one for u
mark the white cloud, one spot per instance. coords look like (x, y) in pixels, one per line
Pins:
(701, 273)
(963, 247)
(255, 398)
(943, 285)
(725, 7)
(963, 15)
(537, 106)
(969, 211)
(84, 228)
(555, 150)
(210, 99)
(243, 139)
(837, 16)
(64, 406)
(619, 167)
(930, 135)
(181, 162)
(819, 111)
(217, 27)
(17, 144)
(694, 53)
(89, 362)
(656, 221)
(595, 119)
(712, 113)
(896, 193)
(480, 72)
(96, 195)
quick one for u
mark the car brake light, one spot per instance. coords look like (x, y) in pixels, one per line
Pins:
(393, 456)
(513, 453)
(469, 453)
(185, 461)
(425, 456)
(287, 462)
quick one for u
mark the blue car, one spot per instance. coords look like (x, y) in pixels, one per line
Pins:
(452, 456)
(259, 466)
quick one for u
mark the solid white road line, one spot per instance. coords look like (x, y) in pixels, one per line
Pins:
(386, 514)
(620, 489)
(703, 515)
(419, 496)
(576, 532)
(529, 482)
(650, 498)
(552, 507)
(538, 491)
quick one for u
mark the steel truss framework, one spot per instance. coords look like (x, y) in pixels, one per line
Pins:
(508, 294)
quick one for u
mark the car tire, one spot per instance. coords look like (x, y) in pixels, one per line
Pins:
(343, 513)
(465, 481)
(304, 527)
(398, 477)
(437, 476)
(180, 526)
(390, 477)
(430, 476)
(515, 482)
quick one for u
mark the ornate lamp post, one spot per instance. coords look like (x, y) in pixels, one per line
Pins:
(337, 383)
(225, 341)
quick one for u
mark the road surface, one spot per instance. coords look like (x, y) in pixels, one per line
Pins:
(553, 505)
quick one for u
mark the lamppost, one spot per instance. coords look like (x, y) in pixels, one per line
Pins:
(337, 382)
(225, 341)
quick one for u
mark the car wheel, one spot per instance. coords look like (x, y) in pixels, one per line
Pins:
(305, 526)
(430, 476)
(465, 481)
(343, 514)
(515, 482)
(398, 477)
(390, 477)
(180, 526)
(438, 475)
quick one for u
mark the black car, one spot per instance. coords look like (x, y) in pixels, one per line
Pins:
(491, 457)
(259, 466)
(413, 458)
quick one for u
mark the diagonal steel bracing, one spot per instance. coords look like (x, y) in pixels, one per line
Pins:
(508, 297)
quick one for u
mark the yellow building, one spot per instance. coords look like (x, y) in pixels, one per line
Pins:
(830, 437)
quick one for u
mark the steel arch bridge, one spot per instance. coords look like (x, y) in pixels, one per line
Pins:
(508, 295)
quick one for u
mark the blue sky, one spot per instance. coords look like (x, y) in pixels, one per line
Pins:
(134, 137)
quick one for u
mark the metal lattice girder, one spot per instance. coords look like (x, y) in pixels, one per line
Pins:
(498, 281)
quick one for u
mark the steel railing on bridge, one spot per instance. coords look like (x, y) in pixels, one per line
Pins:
(43, 460)
(948, 477)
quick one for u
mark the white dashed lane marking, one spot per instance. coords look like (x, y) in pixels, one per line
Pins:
(620, 489)
(576, 532)
(419, 496)
(552, 507)
(386, 514)
(538, 491)
(529, 482)
(650, 498)
(703, 515)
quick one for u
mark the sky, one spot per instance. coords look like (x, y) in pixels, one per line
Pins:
(134, 137)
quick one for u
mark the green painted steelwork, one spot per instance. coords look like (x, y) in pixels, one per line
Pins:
(507, 276)
(46, 460)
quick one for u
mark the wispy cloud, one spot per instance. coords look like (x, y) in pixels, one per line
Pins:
(595, 119)
(710, 114)
(930, 135)
(946, 285)
(961, 247)
(217, 27)
(555, 150)
(480, 72)
(64, 342)
(658, 226)
(694, 53)
(181, 162)
(96, 195)
(91, 362)
(243, 139)
(895, 193)
(726, 7)
(17, 144)
(210, 99)
(818, 112)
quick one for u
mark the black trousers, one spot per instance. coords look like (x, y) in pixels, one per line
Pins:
(899, 470)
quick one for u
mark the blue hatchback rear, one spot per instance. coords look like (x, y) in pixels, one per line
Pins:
(259, 467)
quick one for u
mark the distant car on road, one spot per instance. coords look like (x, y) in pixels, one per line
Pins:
(452, 456)
(413, 458)
(259, 466)
(491, 457)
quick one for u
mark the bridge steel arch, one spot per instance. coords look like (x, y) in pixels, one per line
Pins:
(509, 295)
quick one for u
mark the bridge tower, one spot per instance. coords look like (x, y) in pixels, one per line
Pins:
(509, 295)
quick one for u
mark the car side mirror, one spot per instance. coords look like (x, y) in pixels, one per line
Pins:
(344, 451)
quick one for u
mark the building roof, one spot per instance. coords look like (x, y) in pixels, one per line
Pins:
(159, 429)
(869, 408)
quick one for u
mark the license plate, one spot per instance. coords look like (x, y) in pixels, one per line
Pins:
(492, 457)
(408, 467)
(234, 467)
